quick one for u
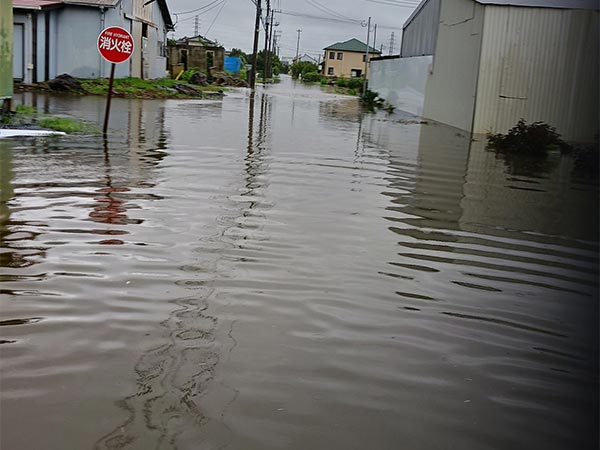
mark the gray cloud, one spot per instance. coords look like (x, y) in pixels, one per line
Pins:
(231, 22)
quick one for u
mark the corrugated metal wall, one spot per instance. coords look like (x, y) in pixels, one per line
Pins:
(452, 84)
(420, 35)
(6, 49)
(540, 64)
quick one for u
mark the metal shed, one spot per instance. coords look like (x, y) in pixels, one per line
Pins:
(496, 61)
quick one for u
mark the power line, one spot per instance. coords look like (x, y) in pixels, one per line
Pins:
(402, 4)
(197, 9)
(327, 10)
(216, 16)
(312, 16)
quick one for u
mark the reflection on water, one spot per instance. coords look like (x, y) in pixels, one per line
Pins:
(280, 270)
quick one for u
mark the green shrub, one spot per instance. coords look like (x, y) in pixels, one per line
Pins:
(302, 67)
(311, 77)
(25, 110)
(186, 75)
(355, 83)
(342, 82)
(537, 137)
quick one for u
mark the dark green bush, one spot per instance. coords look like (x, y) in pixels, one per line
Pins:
(342, 82)
(355, 83)
(534, 138)
(311, 77)
(302, 67)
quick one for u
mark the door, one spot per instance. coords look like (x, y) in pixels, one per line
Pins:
(19, 51)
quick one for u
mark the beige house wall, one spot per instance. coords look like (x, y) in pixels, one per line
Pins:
(350, 61)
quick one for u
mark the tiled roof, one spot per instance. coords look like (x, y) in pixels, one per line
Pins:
(352, 45)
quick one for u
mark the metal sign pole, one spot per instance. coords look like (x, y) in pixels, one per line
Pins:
(108, 97)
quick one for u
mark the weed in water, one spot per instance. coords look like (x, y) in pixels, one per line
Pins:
(534, 138)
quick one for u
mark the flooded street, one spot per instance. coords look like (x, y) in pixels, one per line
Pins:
(287, 272)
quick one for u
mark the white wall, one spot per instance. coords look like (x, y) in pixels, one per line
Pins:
(451, 87)
(540, 64)
(401, 81)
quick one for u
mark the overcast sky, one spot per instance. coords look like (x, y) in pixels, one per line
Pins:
(323, 22)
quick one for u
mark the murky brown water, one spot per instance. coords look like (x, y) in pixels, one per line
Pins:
(294, 275)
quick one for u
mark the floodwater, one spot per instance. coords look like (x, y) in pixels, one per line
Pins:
(286, 272)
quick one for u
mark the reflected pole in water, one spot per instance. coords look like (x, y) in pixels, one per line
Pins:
(251, 124)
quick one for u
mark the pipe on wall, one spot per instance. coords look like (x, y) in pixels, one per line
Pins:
(102, 26)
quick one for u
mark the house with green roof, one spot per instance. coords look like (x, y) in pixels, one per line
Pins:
(348, 58)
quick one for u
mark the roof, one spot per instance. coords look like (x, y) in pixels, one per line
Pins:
(98, 3)
(562, 4)
(559, 4)
(35, 4)
(352, 45)
(40, 4)
(197, 40)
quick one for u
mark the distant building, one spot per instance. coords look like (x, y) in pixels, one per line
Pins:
(197, 52)
(347, 59)
(52, 37)
(306, 58)
(481, 65)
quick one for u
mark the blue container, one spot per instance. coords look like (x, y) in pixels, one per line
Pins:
(233, 64)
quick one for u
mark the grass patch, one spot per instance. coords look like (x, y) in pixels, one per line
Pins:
(25, 110)
(27, 117)
(67, 125)
(132, 87)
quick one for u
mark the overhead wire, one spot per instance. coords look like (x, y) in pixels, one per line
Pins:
(327, 10)
(197, 9)
(215, 18)
(400, 3)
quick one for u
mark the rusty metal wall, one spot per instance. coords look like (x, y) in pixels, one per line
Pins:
(6, 49)
(540, 64)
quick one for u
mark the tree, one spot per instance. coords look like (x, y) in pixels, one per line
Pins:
(239, 53)
(275, 63)
(302, 67)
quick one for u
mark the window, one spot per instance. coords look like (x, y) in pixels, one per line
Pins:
(330, 71)
(364, 58)
(145, 30)
(331, 55)
(340, 56)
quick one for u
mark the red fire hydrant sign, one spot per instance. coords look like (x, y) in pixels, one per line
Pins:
(115, 44)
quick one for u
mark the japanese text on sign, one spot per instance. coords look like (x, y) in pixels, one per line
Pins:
(115, 44)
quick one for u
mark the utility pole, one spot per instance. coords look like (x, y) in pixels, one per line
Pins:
(270, 52)
(266, 50)
(298, 44)
(367, 57)
(252, 78)
(374, 36)
(391, 44)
